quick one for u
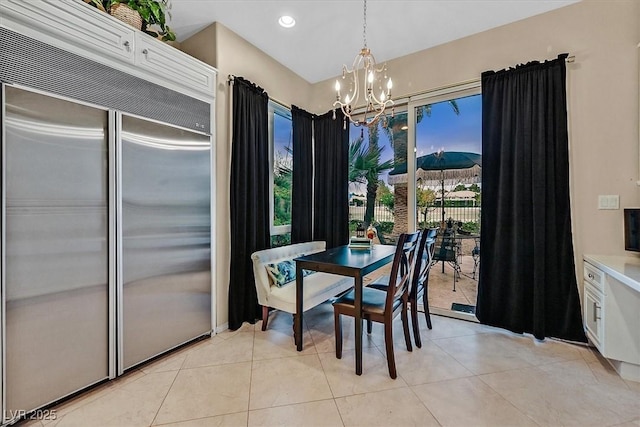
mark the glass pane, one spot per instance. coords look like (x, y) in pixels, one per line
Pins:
(448, 195)
(372, 199)
(282, 169)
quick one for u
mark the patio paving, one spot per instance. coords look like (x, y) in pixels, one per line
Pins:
(441, 294)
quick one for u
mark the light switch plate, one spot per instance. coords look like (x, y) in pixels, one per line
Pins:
(609, 201)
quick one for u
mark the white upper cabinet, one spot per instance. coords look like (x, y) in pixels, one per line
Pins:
(158, 59)
(79, 28)
(63, 24)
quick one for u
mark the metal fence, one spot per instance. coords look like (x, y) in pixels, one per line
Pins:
(381, 213)
(430, 214)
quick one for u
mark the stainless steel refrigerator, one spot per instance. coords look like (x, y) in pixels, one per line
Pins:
(106, 243)
(166, 238)
(56, 248)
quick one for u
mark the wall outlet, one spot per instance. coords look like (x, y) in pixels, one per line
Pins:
(609, 202)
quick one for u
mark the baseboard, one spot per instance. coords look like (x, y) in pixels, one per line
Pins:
(221, 328)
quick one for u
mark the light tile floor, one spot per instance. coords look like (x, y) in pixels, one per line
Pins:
(465, 374)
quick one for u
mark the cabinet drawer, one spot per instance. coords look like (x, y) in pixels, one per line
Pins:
(594, 276)
(174, 66)
(71, 25)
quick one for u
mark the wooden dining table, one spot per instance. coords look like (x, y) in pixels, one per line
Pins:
(344, 261)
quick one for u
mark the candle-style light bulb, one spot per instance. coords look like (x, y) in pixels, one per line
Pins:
(383, 96)
(337, 86)
(346, 99)
(370, 77)
(389, 85)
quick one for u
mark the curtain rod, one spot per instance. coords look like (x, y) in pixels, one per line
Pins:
(231, 78)
(408, 98)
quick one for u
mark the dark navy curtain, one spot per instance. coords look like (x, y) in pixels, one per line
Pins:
(331, 186)
(527, 275)
(249, 193)
(302, 185)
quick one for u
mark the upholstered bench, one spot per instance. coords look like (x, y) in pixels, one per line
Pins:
(318, 286)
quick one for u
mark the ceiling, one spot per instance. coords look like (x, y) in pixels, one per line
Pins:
(329, 33)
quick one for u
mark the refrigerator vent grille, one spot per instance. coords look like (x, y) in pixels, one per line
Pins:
(35, 64)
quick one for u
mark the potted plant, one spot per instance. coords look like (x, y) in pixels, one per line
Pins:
(152, 13)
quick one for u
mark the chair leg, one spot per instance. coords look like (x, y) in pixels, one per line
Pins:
(265, 317)
(414, 322)
(338, 325)
(425, 304)
(388, 340)
(369, 326)
(454, 278)
(405, 326)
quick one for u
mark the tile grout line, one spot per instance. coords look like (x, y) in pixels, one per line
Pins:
(167, 393)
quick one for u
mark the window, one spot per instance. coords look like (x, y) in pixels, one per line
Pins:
(281, 167)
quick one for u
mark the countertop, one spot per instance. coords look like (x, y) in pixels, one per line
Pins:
(625, 269)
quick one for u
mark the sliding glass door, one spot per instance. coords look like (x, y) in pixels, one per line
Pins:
(447, 184)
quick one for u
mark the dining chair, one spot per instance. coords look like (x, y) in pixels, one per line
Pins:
(419, 281)
(382, 306)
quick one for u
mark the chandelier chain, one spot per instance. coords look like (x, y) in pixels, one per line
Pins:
(364, 25)
(365, 72)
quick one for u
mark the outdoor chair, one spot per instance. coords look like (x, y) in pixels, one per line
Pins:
(475, 254)
(447, 251)
(382, 306)
(386, 240)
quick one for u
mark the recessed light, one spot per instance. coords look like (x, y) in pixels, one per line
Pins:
(286, 21)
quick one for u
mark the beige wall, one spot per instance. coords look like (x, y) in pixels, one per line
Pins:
(603, 102)
(602, 93)
(230, 54)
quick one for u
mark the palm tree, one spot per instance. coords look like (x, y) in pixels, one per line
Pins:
(365, 166)
(396, 129)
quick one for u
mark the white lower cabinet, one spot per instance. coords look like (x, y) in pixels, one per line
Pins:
(611, 308)
(593, 314)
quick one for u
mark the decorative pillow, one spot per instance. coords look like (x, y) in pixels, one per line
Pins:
(284, 272)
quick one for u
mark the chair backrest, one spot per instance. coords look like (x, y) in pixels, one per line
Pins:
(424, 258)
(445, 249)
(403, 267)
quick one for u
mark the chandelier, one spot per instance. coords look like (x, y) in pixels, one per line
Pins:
(376, 87)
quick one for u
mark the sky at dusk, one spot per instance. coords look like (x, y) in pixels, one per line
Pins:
(443, 129)
(446, 130)
(282, 137)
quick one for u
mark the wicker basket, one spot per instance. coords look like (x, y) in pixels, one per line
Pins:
(125, 14)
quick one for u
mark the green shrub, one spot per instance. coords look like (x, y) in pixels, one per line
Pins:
(384, 227)
(280, 240)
